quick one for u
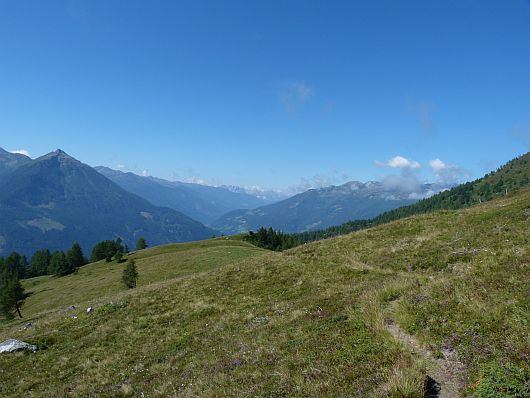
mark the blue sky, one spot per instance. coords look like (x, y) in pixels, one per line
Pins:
(278, 94)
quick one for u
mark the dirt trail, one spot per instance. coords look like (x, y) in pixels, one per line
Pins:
(447, 372)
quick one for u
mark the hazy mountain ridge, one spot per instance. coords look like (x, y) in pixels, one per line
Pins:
(54, 200)
(321, 208)
(268, 196)
(204, 203)
(10, 161)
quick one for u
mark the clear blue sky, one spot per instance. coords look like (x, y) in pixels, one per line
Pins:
(268, 93)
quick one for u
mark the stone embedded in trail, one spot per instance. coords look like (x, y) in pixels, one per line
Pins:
(13, 345)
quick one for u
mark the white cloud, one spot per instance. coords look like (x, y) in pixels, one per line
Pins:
(437, 164)
(294, 96)
(21, 152)
(422, 195)
(447, 174)
(145, 173)
(399, 162)
(316, 181)
(120, 167)
(406, 182)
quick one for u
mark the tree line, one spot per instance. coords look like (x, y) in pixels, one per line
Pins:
(15, 267)
(271, 239)
(60, 263)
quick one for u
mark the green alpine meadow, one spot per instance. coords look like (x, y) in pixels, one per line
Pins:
(264, 199)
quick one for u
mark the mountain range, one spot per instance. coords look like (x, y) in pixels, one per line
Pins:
(54, 200)
(203, 203)
(321, 208)
(231, 210)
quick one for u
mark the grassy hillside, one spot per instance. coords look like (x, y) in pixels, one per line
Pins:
(318, 320)
(161, 263)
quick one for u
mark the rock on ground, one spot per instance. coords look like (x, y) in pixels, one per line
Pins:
(13, 345)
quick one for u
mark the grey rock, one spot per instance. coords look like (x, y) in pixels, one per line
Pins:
(27, 326)
(13, 345)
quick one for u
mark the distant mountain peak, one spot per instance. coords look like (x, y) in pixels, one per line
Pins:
(59, 155)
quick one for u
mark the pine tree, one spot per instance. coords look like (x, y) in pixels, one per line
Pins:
(75, 256)
(59, 264)
(130, 274)
(98, 252)
(12, 294)
(106, 250)
(141, 244)
(18, 262)
(39, 263)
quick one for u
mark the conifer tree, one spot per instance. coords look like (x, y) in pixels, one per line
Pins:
(141, 244)
(59, 264)
(130, 274)
(12, 294)
(39, 264)
(18, 262)
(75, 256)
(106, 250)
